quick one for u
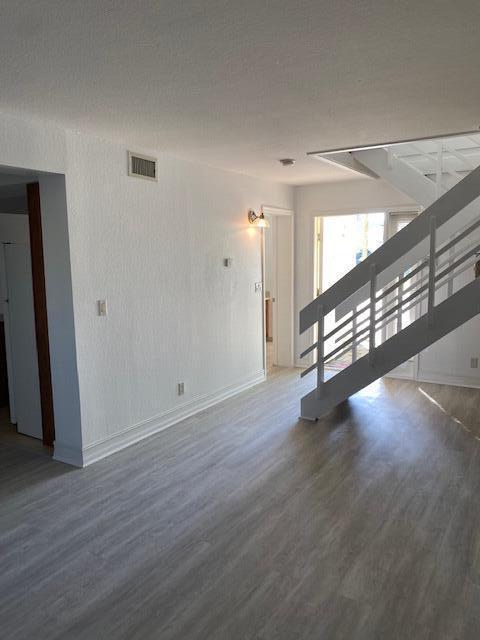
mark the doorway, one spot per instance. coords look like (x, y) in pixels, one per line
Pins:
(20, 341)
(278, 310)
(341, 242)
(28, 403)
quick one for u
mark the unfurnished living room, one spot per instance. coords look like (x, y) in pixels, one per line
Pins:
(239, 320)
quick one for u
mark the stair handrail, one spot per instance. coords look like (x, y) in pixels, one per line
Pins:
(441, 211)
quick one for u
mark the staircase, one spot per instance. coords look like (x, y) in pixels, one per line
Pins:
(428, 265)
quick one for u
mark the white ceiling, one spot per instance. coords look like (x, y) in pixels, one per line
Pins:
(239, 84)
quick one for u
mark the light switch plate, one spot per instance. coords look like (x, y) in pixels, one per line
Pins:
(258, 286)
(102, 307)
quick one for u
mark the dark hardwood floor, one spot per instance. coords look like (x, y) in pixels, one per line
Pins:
(243, 523)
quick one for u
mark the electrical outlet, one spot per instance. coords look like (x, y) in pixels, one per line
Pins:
(180, 388)
(474, 363)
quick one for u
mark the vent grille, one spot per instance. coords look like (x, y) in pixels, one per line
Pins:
(142, 166)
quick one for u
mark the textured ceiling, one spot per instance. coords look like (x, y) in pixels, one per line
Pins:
(239, 84)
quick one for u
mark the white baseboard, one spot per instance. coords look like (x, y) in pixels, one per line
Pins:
(454, 381)
(103, 448)
(435, 377)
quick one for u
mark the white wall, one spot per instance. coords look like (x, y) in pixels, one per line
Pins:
(61, 325)
(155, 252)
(447, 361)
(31, 145)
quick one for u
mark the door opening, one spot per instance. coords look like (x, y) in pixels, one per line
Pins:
(28, 401)
(342, 242)
(278, 289)
(25, 410)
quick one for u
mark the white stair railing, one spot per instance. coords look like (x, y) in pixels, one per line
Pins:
(405, 291)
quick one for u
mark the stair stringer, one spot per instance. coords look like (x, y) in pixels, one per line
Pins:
(399, 174)
(448, 316)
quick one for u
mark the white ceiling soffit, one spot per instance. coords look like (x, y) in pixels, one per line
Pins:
(238, 85)
(346, 161)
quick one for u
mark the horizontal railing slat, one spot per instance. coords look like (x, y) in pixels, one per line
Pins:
(356, 342)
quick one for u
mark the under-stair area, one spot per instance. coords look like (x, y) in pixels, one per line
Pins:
(429, 266)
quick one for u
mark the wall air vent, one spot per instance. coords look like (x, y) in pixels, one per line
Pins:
(141, 166)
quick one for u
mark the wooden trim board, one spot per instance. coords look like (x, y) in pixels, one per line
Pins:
(40, 306)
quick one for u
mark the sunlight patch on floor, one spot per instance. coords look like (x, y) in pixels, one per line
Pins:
(439, 406)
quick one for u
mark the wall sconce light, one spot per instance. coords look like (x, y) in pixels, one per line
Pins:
(258, 221)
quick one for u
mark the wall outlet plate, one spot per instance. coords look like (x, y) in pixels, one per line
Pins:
(474, 363)
(227, 262)
(102, 307)
(258, 286)
(180, 388)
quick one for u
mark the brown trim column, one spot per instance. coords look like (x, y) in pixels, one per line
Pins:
(40, 306)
